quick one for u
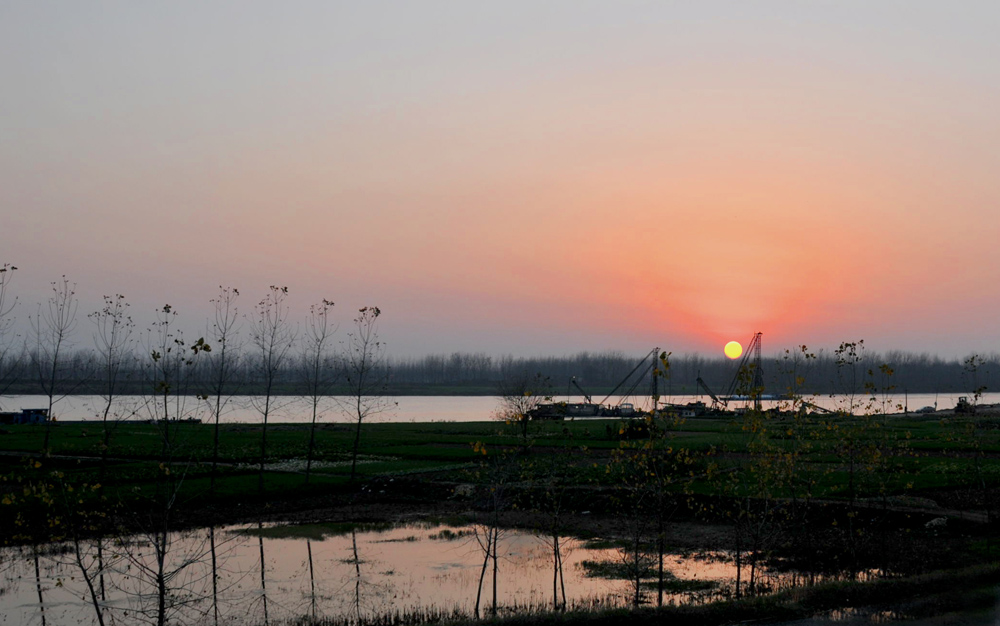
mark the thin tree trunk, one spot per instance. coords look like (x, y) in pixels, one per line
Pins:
(357, 575)
(38, 583)
(263, 441)
(51, 394)
(562, 581)
(496, 534)
(166, 428)
(312, 579)
(555, 572)
(263, 585)
(357, 442)
(100, 567)
(215, 576)
(482, 572)
(312, 440)
(105, 444)
(161, 579)
(215, 447)
(87, 579)
(161, 538)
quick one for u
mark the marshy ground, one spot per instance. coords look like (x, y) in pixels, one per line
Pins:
(880, 504)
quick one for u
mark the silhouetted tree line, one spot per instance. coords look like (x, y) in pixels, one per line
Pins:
(51, 359)
(480, 373)
(599, 372)
(914, 373)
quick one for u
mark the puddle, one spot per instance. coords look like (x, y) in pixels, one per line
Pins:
(351, 573)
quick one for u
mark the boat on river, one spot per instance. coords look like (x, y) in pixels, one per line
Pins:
(601, 410)
(581, 410)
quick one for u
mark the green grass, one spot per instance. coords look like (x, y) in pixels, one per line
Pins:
(917, 454)
(731, 458)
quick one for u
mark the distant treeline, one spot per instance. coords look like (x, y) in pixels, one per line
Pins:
(595, 373)
(250, 347)
(791, 372)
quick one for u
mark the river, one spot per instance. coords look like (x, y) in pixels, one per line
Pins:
(417, 409)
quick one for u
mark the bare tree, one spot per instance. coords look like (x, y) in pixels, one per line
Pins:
(52, 327)
(633, 498)
(113, 340)
(497, 472)
(222, 364)
(114, 343)
(366, 373)
(551, 477)
(75, 520)
(318, 368)
(518, 393)
(168, 374)
(9, 365)
(273, 339)
(223, 361)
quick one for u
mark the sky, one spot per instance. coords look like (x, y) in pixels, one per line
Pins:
(516, 177)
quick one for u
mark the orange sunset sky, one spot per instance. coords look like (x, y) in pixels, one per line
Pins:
(517, 177)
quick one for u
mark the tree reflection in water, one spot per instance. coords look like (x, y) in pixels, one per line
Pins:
(342, 573)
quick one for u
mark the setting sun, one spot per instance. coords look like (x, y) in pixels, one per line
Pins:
(733, 349)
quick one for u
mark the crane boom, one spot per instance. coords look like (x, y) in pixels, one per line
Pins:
(750, 365)
(586, 396)
(651, 353)
(816, 407)
(716, 402)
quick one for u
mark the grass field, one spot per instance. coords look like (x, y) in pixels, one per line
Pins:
(829, 493)
(882, 457)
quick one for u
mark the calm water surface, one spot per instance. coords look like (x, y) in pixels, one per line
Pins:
(333, 571)
(406, 408)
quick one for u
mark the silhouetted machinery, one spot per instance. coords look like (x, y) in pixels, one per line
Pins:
(717, 403)
(627, 388)
(749, 379)
(749, 375)
(964, 407)
(586, 396)
(816, 407)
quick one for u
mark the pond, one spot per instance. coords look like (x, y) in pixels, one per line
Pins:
(348, 573)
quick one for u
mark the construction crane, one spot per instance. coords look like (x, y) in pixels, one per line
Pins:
(628, 385)
(645, 361)
(586, 396)
(716, 402)
(751, 358)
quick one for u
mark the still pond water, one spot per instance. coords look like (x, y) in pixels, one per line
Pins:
(348, 573)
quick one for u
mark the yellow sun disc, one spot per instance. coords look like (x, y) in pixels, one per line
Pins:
(733, 349)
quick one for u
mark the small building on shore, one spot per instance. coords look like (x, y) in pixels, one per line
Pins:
(24, 416)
